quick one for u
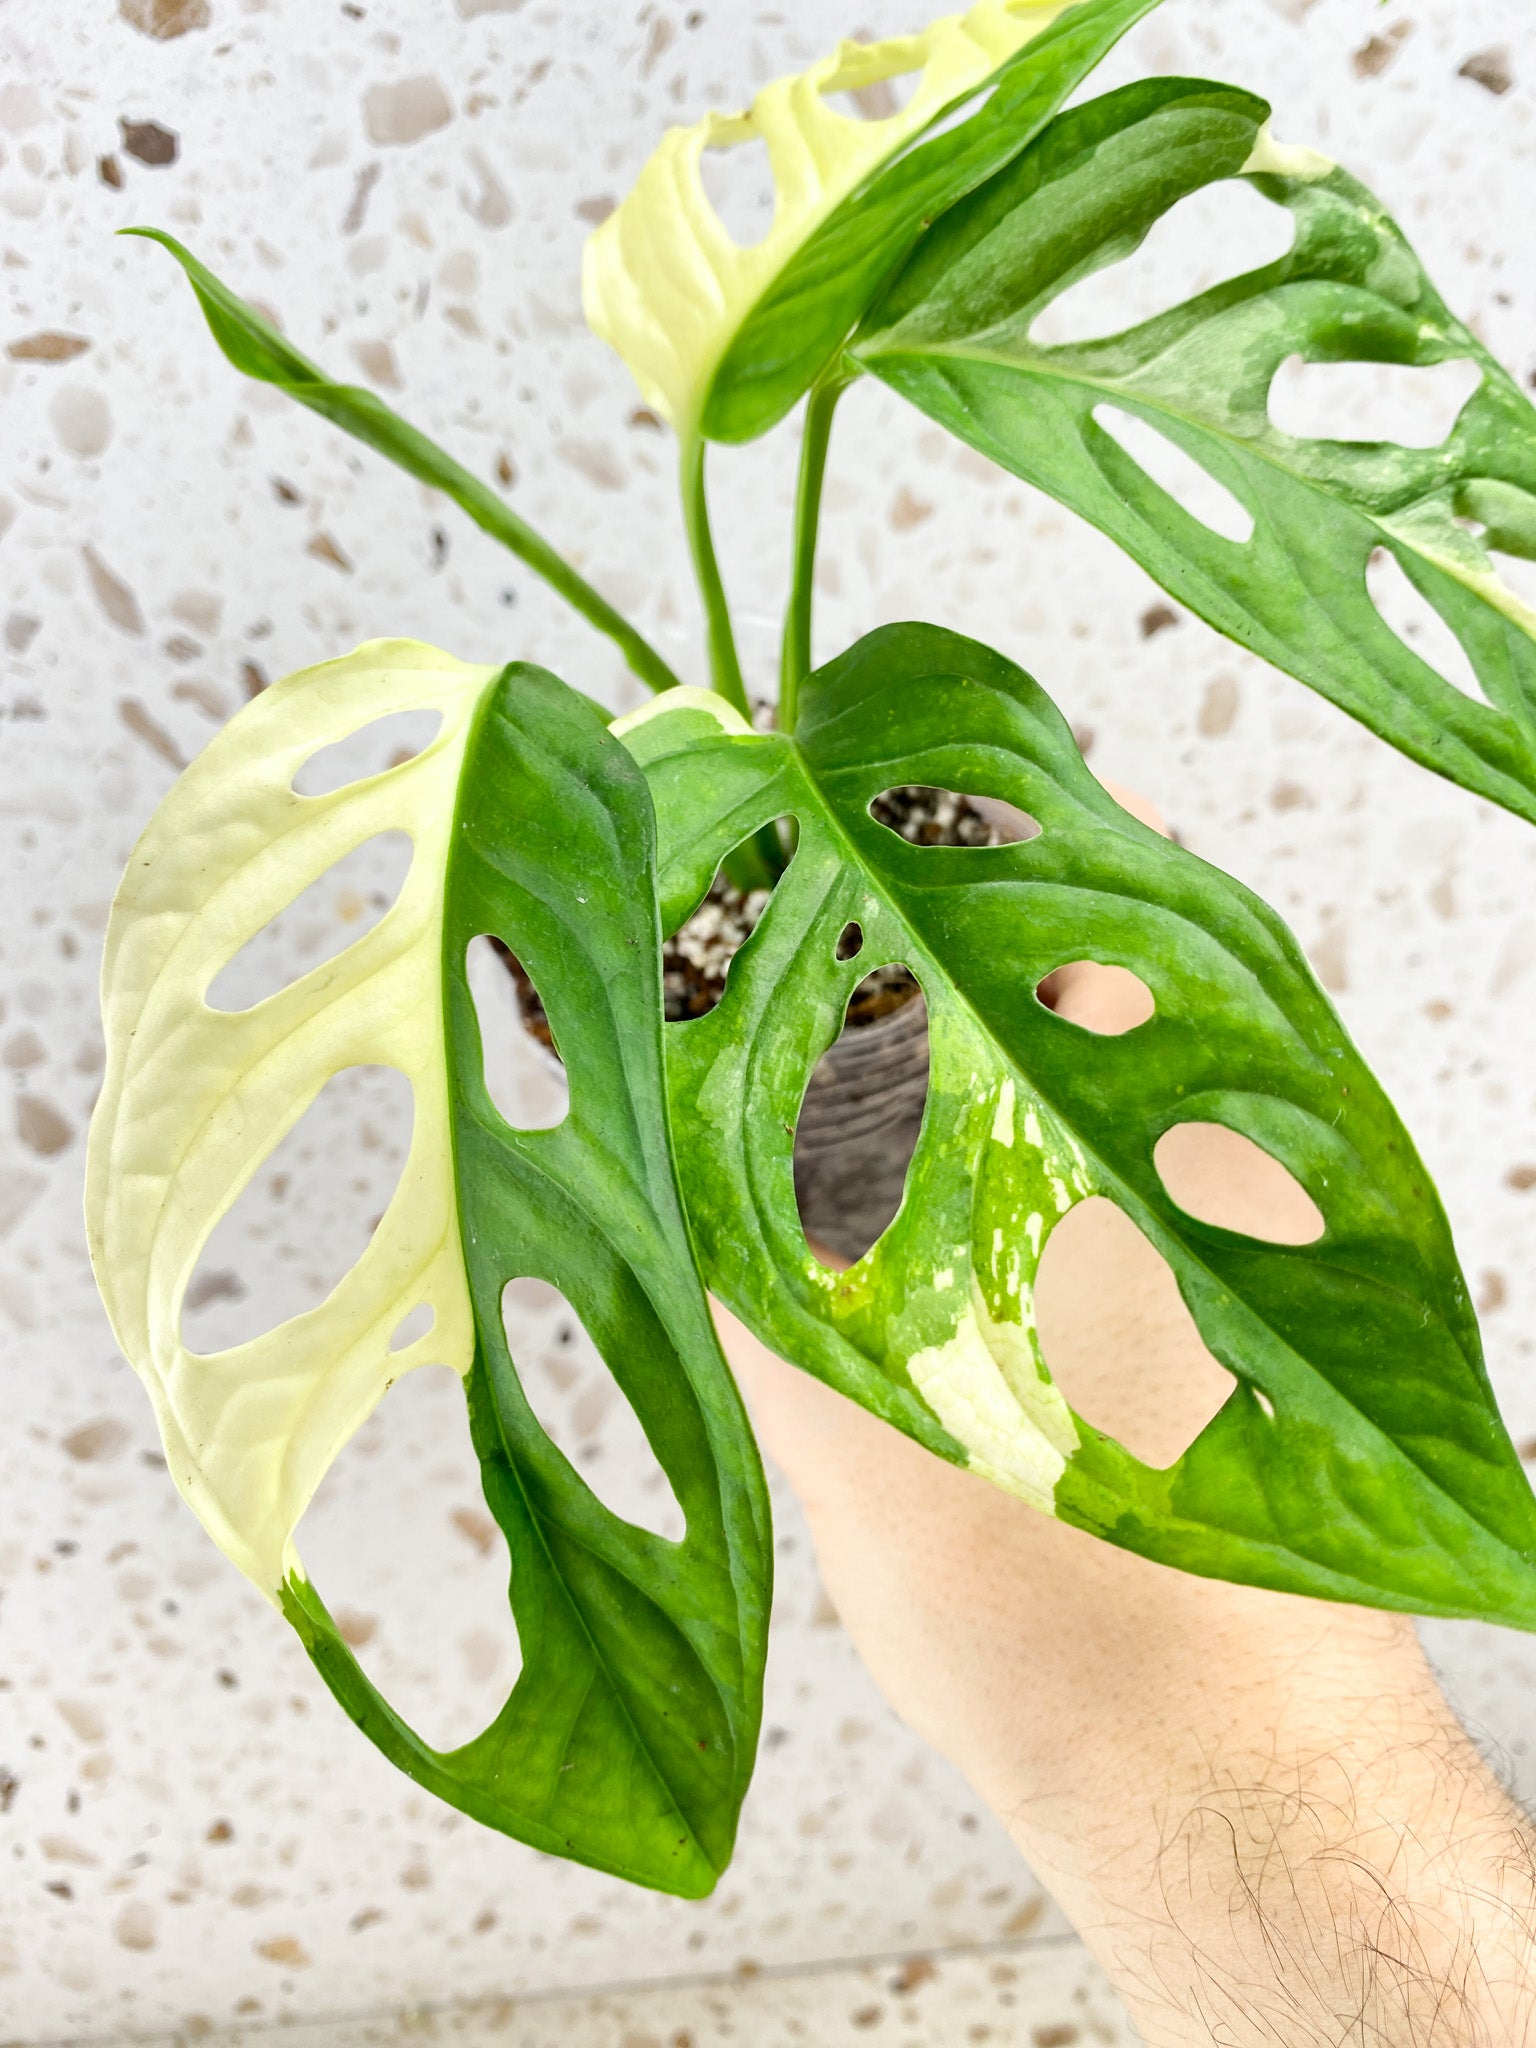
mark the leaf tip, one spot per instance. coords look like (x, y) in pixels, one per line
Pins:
(183, 255)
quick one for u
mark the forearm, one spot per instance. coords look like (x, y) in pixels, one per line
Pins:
(1258, 1810)
(1278, 1831)
(1283, 1834)
(1348, 1872)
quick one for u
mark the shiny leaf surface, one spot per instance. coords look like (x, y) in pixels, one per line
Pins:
(1361, 1456)
(953, 336)
(725, 338)
(628, 1738)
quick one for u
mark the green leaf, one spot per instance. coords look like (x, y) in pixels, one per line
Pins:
(256, 349)
(628, 1738)
(727, 336)
(1361, 1456)
(953, 336)
(796, 327)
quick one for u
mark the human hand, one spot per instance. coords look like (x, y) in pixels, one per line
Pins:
(1258, 1810)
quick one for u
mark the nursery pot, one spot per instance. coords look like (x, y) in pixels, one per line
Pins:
(864, 1107)
(858, 1125)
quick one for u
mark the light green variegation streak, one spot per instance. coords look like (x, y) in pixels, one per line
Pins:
(689, 703)
(665, 283)
(1272, 159)
(1001, 1171)
(1361, 1409)
(991, 1394)
(965, 1266)
(195, 1099)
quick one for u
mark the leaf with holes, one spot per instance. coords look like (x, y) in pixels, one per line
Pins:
(627, 1741)
(723, 338)
(1361, 1456)
(953, 335)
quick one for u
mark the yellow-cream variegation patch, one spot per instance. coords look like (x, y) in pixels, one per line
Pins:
(195, 1099)
(667, 285)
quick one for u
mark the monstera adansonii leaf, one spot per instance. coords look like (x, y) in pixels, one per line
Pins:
(1360, 1455)
(723, 338)
(953, 336)
(628, 1738)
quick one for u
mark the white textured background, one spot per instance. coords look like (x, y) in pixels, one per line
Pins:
(190, 1835)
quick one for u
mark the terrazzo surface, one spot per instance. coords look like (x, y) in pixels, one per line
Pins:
(1047, 1994)
(193, 1840)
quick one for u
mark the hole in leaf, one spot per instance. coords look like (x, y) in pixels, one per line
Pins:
(1220, 1176)
(863, 1108)
(955, 117)
(523, 1075)
(1224, 230)
(413, 1327)
(1177, 472)
(1518, 573)
(385, 743)
(850, 942)
(924, 816)
(584, 1411)
(1117, 1338)
(403, 1550)
(738, 183)
(336, 910)
(696, 958)
(879, 94)
(1416, 407)
(305, 1218)
(1418, 625)
(1109, 1001)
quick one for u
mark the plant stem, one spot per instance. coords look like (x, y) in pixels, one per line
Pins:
(724, 664)
(760, 860)
(796, 662)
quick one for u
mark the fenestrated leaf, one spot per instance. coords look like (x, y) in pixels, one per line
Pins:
(628, 1738)
(726, 337)
(953, 335)
(1361, 1456)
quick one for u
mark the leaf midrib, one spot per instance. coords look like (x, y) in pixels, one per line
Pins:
(1132, 1202)
(1264, 447)
(461, 1102)
(1268, 450)
(539, 1523)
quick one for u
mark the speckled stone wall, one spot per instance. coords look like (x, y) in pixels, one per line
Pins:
(191, 1837)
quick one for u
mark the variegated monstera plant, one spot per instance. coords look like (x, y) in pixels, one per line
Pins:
(1360, 1455)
